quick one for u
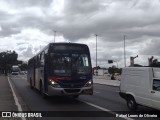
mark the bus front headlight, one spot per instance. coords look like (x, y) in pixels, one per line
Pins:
(53, 83)
(89, 83)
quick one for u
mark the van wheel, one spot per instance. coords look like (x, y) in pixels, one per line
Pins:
(131, 103)
(41, 91)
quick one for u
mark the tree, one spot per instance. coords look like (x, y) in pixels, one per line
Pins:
(113, 69)
(7, 60)
(24, 66)
(153, 62)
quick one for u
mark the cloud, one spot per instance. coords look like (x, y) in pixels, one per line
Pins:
(82, 7)
(33, 22)
(8, 30)
(29, 3)
(151, 47)
(26, 53)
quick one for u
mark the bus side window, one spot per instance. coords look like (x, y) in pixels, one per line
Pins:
(42, 59)
(38, 61)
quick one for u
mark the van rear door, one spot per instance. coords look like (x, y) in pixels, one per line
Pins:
(155, 93)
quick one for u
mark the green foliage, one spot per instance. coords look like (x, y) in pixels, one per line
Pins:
(153, 62)
(24, 66)
(113, 70)
(7, 59)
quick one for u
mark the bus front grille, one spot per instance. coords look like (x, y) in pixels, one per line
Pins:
(72, 83)
(72, 90)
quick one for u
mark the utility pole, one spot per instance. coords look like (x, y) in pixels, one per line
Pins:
(54, 35)
(124, 50)
(96, 54)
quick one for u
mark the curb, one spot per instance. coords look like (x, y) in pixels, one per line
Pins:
(107, 84)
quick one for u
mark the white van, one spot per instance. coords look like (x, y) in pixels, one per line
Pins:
(140, 86)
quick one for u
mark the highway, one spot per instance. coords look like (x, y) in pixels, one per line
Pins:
(105, 98)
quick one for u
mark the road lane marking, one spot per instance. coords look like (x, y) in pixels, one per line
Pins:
(96, 92)
(16, 99)
(104, 109)
(25, 78)
(20, 77)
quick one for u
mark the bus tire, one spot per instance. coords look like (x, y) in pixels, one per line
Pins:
(41, 91)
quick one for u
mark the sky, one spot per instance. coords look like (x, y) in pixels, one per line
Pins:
(26, 26)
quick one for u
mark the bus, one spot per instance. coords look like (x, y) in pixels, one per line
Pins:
(61, 69)
(15, 70)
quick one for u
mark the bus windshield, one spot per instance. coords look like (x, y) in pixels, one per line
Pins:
(67, 64)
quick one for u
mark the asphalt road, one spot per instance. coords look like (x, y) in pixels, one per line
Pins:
(105, 98)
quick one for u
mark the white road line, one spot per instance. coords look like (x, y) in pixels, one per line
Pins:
(20, 77)
(96, 92)
(16, 99)
(25, 78)
(104, 109)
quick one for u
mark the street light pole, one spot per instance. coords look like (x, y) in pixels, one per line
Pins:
(54, 35)
(96, 53)
(124, 51)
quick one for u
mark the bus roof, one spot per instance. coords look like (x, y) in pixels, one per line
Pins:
(61, 43)
(58, 43)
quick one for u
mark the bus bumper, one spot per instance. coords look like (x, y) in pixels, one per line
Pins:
(52, 91)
